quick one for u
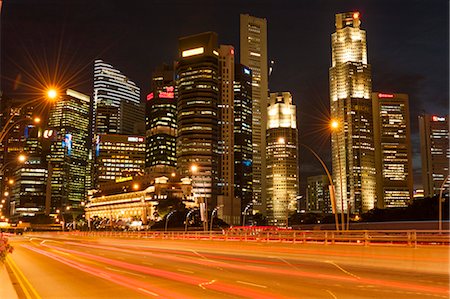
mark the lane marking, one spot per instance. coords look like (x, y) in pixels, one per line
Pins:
(202, 256)
(23, 281)
(127, 272)
(342, 269)
(282, 259)
(252, 284)
(331, 293)
(206, 283)
(185, 271)
(148, 292)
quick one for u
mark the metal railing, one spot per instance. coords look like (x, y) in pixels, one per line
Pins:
(354, 237)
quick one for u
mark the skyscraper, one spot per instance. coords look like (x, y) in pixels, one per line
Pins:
(116, 105)
(243, 149)
(352, 145)
(28, 196)
(197, 89)
(161, 123)
(435, 152)
(231, 206)
(69, 120)
(253, 44)
(318, 194)
(393, 155)
(282, 158)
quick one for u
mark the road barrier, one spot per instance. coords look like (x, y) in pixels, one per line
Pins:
(354, 237)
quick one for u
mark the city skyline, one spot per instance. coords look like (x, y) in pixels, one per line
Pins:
(397, 65)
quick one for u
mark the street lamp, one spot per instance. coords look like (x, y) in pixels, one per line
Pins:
(212, 217)
(187, 219)
(245, 212)
(167, 219)
(204, 204)
(331, 186)
(335, 126)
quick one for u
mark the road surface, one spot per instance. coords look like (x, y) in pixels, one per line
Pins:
(65, 266)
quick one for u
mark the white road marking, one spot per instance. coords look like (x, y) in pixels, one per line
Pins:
(251, 284)
(343, 270)
(206, 283)
(185, 271)
(127, 272)
(282, 259)
(148, 292)
(331, 293)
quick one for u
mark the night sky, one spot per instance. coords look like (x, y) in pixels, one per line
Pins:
(55, 42)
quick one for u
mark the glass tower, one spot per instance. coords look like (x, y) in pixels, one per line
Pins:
(161, 123)
(282, 158)
(352, 145)
(393, 156)
(253, 44)
(197, 91)
(68, 157)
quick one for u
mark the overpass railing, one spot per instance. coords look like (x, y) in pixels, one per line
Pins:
(354, 237)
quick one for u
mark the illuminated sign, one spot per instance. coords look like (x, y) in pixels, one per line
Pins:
(136, 139)
(168, 94)
(246, 71)
(150, 96)
(119, 180)
(48, 133)
(385, 95)
(67, 142)
(437, 118)
(192, 52)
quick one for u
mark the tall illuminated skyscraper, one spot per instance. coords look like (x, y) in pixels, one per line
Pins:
(197, 91)
(253, 50)
(116, 105)
(161, 123)
(282, 158)
(352, 145)
(231, 206)
(435, 152)
(243, 149)
(67, 160)
(393, 154)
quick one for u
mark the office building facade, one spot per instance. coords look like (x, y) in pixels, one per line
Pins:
(118, 157)
(318, 194)
(67, 161)
(161, 123)
(393, 153)
(435, 153)
(197, 91)
(282, 159)
(243, 148)
(253, 53)
(352, 145)
(116, 106)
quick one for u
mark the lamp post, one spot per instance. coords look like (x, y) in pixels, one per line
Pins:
(187, 219)
(334, 127)
(212, 217)
(167, 219)
(331, 186)
(204, 203)
(440, 202)
(245, 212)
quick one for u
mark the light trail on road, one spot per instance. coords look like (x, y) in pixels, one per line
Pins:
(203, 269)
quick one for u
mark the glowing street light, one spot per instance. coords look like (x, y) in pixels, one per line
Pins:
(335, 126)
(22, 158)
(135, 186)
(52, 93)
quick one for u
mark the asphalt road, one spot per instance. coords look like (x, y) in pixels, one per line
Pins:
(65, 266)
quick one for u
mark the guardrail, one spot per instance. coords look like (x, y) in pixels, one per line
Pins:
(361, 237)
